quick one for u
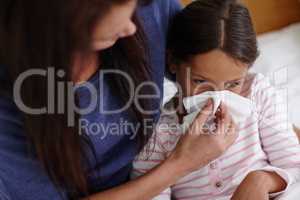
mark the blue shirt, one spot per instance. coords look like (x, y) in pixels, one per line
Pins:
(21, 177)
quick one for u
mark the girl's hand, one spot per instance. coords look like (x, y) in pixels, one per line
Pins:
(258, 185)
(198, 147)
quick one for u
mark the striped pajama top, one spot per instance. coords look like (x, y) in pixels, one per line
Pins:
(265, 142)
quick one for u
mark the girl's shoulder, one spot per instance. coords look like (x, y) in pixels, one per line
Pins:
(255, 84)
(260, 90)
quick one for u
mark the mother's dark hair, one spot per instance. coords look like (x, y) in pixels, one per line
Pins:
(206, 25)
(40, 34)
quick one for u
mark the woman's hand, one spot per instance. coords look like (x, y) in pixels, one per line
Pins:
(199, 147)
(258, 185)
(195, 149)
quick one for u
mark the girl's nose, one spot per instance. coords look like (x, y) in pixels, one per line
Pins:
(220, 87)
(217, 88)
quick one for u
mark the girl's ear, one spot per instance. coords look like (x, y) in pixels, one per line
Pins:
(171, 63)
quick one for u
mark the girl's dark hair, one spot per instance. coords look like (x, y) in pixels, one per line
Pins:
(42, 34)
(205, 25)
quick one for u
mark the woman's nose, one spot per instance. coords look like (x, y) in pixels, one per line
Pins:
(129, 30)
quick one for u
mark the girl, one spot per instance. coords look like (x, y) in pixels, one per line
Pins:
(212, 45)
(41, 156)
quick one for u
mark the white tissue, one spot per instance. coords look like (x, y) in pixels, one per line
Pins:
(240, 108)
(170, 90)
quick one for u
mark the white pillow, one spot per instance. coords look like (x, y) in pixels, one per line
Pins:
(280, 61)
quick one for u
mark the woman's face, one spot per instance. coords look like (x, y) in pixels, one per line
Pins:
(116, 24)
(212, 71)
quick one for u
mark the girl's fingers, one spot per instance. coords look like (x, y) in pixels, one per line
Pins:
(232, 134)
(202, 117)
(204, 114)
(224, 121)
(223, 110)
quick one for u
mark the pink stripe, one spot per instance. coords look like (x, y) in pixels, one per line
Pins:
(272, 108)
(266, 110)
(285, 157)
(240, 161)
(265, 101)
(175, 134)
(241, 150)
(247, 126)
(275, 143)
(265, 90)
(264, 95)
(258, 82)
(292, 164)
(228, 192)
(191, 187)
(276, 150)
(192, 179)
(168, 133)
(169, 142)
(270, 126)
(246, 137)
(271, 116)
(157, 152)
(194, 196)
(254, 82)
(243, 171)
(271, 135)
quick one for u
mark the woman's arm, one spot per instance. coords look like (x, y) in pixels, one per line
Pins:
(186, 158)
(147, 186)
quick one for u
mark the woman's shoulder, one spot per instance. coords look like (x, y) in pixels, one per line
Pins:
(161, 12)
(170, 7)
(4, 194)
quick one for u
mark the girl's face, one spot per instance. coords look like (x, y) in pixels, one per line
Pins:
(212, 71)
(114, 25)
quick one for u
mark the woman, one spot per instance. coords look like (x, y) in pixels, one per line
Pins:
(76, 41)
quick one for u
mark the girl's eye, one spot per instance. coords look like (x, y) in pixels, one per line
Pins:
(198, 81)
(233, 84)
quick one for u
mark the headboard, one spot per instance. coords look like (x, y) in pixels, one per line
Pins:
(269, 15)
